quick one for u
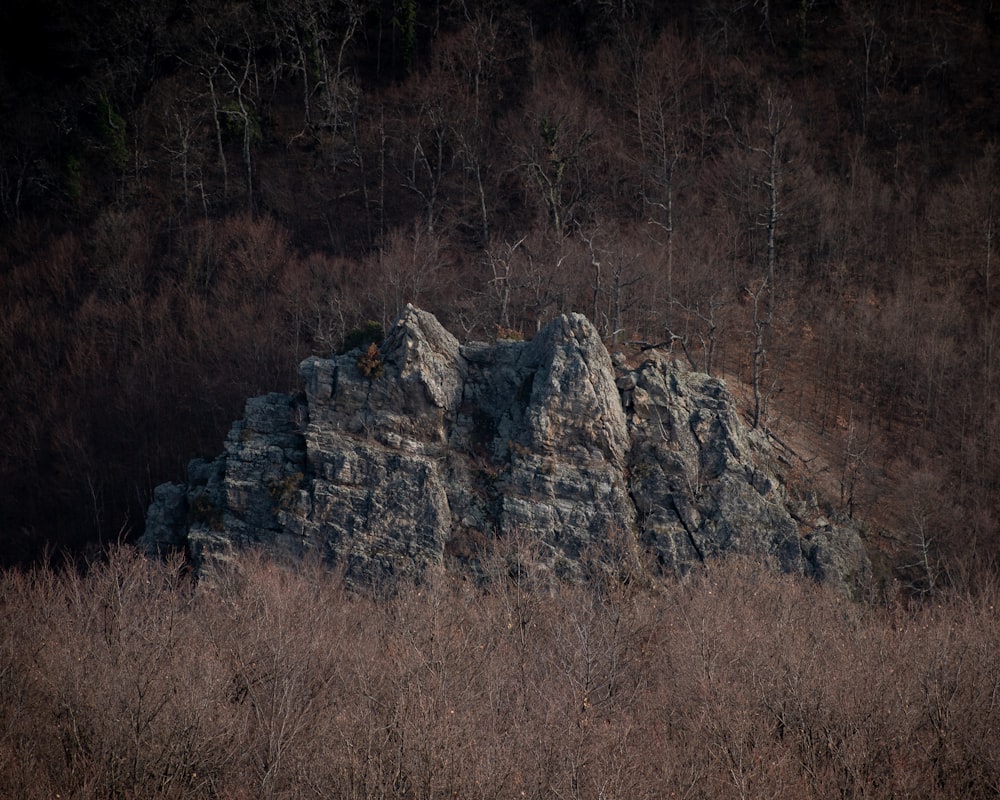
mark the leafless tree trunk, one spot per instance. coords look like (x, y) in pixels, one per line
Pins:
(763, 318)
(501, 265)
(217, 118)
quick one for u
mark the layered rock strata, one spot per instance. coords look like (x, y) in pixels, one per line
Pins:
(426, 452)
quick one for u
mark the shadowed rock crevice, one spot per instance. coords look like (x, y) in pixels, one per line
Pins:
(447, 447)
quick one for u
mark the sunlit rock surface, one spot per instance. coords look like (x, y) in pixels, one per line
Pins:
(447, 449)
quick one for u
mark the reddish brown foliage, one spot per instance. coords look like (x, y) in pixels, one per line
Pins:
(270, 682)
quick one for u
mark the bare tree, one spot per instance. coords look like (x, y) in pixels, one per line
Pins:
(662, 78)
(501, 262)
(762, 294)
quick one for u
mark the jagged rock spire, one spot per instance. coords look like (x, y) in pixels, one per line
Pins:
(446, 447)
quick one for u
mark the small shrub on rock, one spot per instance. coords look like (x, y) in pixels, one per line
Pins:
(370, 362)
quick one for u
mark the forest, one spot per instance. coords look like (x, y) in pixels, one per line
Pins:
(272, 682)
(796, 196)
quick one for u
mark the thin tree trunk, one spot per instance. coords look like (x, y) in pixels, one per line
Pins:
(218, 135)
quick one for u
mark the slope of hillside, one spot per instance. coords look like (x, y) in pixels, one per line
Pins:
(195, 197)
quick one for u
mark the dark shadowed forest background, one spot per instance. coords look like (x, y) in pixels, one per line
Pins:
(798, 196)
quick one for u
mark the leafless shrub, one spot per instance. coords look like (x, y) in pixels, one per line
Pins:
(129, 680)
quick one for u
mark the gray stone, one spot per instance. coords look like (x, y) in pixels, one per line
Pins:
(700, 478)
(166, 520)
(444, 447)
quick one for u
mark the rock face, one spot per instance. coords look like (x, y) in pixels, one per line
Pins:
(442, 448)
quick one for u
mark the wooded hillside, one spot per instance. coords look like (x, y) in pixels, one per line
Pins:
(801, 196)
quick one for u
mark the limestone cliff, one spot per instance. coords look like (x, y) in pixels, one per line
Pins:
(442, 448)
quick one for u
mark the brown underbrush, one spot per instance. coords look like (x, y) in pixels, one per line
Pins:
(130, 680)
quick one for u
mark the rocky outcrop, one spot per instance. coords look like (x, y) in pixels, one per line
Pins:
(425, 451)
